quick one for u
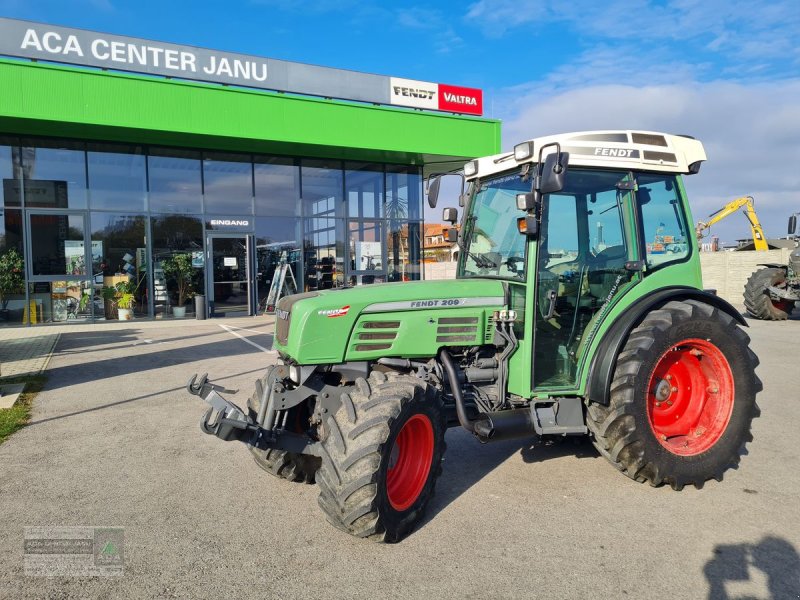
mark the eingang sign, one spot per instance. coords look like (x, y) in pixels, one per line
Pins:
(25, 39)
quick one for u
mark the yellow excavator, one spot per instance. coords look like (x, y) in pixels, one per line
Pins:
(746, 202)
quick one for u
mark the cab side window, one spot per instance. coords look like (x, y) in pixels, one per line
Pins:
(663, 221)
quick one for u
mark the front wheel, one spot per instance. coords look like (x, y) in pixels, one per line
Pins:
(382, 453)
(682, 398)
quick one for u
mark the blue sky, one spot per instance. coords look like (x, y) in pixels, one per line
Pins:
(727, 72)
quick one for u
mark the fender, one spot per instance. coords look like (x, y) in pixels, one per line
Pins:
(601, 369)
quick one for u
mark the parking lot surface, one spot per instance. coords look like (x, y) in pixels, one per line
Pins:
(114, 441)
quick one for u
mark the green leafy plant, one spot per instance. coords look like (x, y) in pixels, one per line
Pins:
(179, 267)
(12, 275)
(126, 300)
(121, 295)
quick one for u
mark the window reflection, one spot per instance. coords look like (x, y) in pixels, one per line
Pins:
(61, 301)
(278, 243)
(12, 267)
(54, 173)
(10, 173)
(323, 253)
(119, 254)
(322, 188)
(117, 177)
(403, 257)
(57, 244)
(277, 186)
(403, 192)
(228, 184)
(174, 236)
(364, 190)
(175, 182)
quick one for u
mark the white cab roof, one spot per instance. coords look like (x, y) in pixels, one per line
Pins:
(617, 149)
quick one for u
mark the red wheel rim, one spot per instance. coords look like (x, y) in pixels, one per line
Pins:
(784, 305)
(410, 462)
(690, 397)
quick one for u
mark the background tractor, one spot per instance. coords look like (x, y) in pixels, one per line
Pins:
(771, 293)
(578, 309)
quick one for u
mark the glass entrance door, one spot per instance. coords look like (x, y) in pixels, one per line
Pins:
(229, 276)
(59, 268)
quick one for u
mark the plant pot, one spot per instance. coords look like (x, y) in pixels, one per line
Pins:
(179, 312)
(125, 314)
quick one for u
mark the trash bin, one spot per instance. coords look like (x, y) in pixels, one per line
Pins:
(200, 307)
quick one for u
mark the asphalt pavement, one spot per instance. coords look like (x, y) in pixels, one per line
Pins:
(114, 441)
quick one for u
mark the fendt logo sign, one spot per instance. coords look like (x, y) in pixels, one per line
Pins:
(436, 96)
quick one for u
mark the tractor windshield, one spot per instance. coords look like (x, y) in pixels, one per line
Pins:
(493, 246)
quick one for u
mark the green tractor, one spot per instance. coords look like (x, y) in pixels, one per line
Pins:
(578, 309)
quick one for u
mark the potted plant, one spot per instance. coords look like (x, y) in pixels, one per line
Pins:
(179, 267)
(122, 297)
(125, 299)
(12, 278)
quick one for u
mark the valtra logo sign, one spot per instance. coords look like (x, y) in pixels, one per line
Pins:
(435, 96)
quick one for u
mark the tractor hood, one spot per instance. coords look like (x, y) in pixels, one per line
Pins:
(392, 319)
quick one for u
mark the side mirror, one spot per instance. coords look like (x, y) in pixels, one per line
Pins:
(792, 224)
(452, 235)
(432, 189)
(554, 173)
(433, 184)
(450, 215)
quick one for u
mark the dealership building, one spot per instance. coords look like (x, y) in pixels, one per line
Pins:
(140, 173)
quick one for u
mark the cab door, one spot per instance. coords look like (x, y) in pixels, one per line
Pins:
(585, 262)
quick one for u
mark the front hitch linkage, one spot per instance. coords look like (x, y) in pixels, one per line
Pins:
(228, 422)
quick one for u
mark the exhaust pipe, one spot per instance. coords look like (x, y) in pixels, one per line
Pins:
(488, 427)
(505, 425)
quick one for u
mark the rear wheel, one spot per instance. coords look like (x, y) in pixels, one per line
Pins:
(382, 454)
(756, 297)
(682, 398)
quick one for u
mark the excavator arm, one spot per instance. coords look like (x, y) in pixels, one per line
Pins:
(746, 202)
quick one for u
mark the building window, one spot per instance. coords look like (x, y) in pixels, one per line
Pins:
(10, 173)
(119, 254)
(322, 188)
(57, 244)
(278, 248)
(176, 235)
(175, 181)
(228, 184)
(117, 177)
(277, 187)
(54, 174)
(364, 189)
(403, 193)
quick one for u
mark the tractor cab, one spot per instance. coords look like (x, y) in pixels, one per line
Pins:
(571, 223)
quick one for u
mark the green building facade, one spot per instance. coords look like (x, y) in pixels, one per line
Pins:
(166, 188)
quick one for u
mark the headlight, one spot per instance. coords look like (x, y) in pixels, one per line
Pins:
(294, 374)
(523, 151)
(471, 168)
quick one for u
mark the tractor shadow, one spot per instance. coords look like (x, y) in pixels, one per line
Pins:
(467, 461)
(768, 569)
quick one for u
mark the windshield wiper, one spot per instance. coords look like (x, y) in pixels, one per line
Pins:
(482, 261)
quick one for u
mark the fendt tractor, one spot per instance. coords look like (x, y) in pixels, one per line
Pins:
(578, 309)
